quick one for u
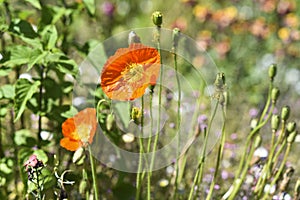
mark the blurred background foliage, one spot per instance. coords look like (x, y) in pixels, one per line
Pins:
(242, 37)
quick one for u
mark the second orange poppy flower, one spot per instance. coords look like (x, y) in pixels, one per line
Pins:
(127, 74)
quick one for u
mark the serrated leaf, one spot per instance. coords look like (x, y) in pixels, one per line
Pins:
(70, 113)
(34, 3)
(19, 55)
(22, 28)
(90, 6)
(36, 58)
(24, 89)
(7, 91)
(49, 36)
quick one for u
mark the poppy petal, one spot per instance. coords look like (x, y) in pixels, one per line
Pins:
(69, 144)
(127, 74)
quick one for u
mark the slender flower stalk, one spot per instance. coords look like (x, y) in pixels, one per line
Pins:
(157, 20)
(176, 35)
(95, 186)
(219, 156)
(199, 173)
(140, 172)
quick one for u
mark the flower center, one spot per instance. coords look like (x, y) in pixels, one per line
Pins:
(133, 73)
(83, 131)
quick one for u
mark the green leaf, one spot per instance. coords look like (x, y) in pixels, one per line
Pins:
(70, 113)
(19, 55)
(8, 91)
(24, 137)
(90, 6)
(35, 3)
(4, 71)
(22, 28)
(6, 166)
(41, 155)
(24, 89)
(49, 36)
(36, 58)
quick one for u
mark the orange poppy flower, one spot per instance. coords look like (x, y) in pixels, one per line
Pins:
(79, 130)
(127, 74)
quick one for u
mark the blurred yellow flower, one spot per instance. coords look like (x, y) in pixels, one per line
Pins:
(201, 12)
(291, 20)
(284, 34)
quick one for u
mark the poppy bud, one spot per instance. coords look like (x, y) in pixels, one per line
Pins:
(253, 123)
(285, 113)
(275, 122)
(275, 94)
(110, 121)
(175, 37)
(291, 126)
(157, 18)
(272, 71)
(78, 155)
(133, 38)
(291, 137)
(136, 114)
(257, 141)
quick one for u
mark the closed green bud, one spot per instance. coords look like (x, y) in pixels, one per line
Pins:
(157, 18)
(136, 114)
(133, 38)
(110, 121)
(291, 126)
(285, 113)
(78, 156)
(275, 94)
(257, 141)
(175, 37)
(253, 123)
(292, 136)
(272, 71)
(275, 122)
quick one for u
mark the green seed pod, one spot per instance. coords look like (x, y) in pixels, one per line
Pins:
(257, 141)
(291, 126)
(275, 122)
(272, 71)
(285, 113)
(275, 94)
(292, 136)
(157, 18)
(175, 37)
(110, 121)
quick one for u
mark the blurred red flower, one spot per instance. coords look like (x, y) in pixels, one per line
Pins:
(79, 130)
(127, 74)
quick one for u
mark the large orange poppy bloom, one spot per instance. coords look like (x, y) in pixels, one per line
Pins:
(79, 130)
(127, 74)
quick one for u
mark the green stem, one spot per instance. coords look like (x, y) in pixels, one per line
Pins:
(219, 157)
(139, 176)
(178, 123)
(238, 182)
(159, 109)
(279, 172)
(93, 173)
(199, 172)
